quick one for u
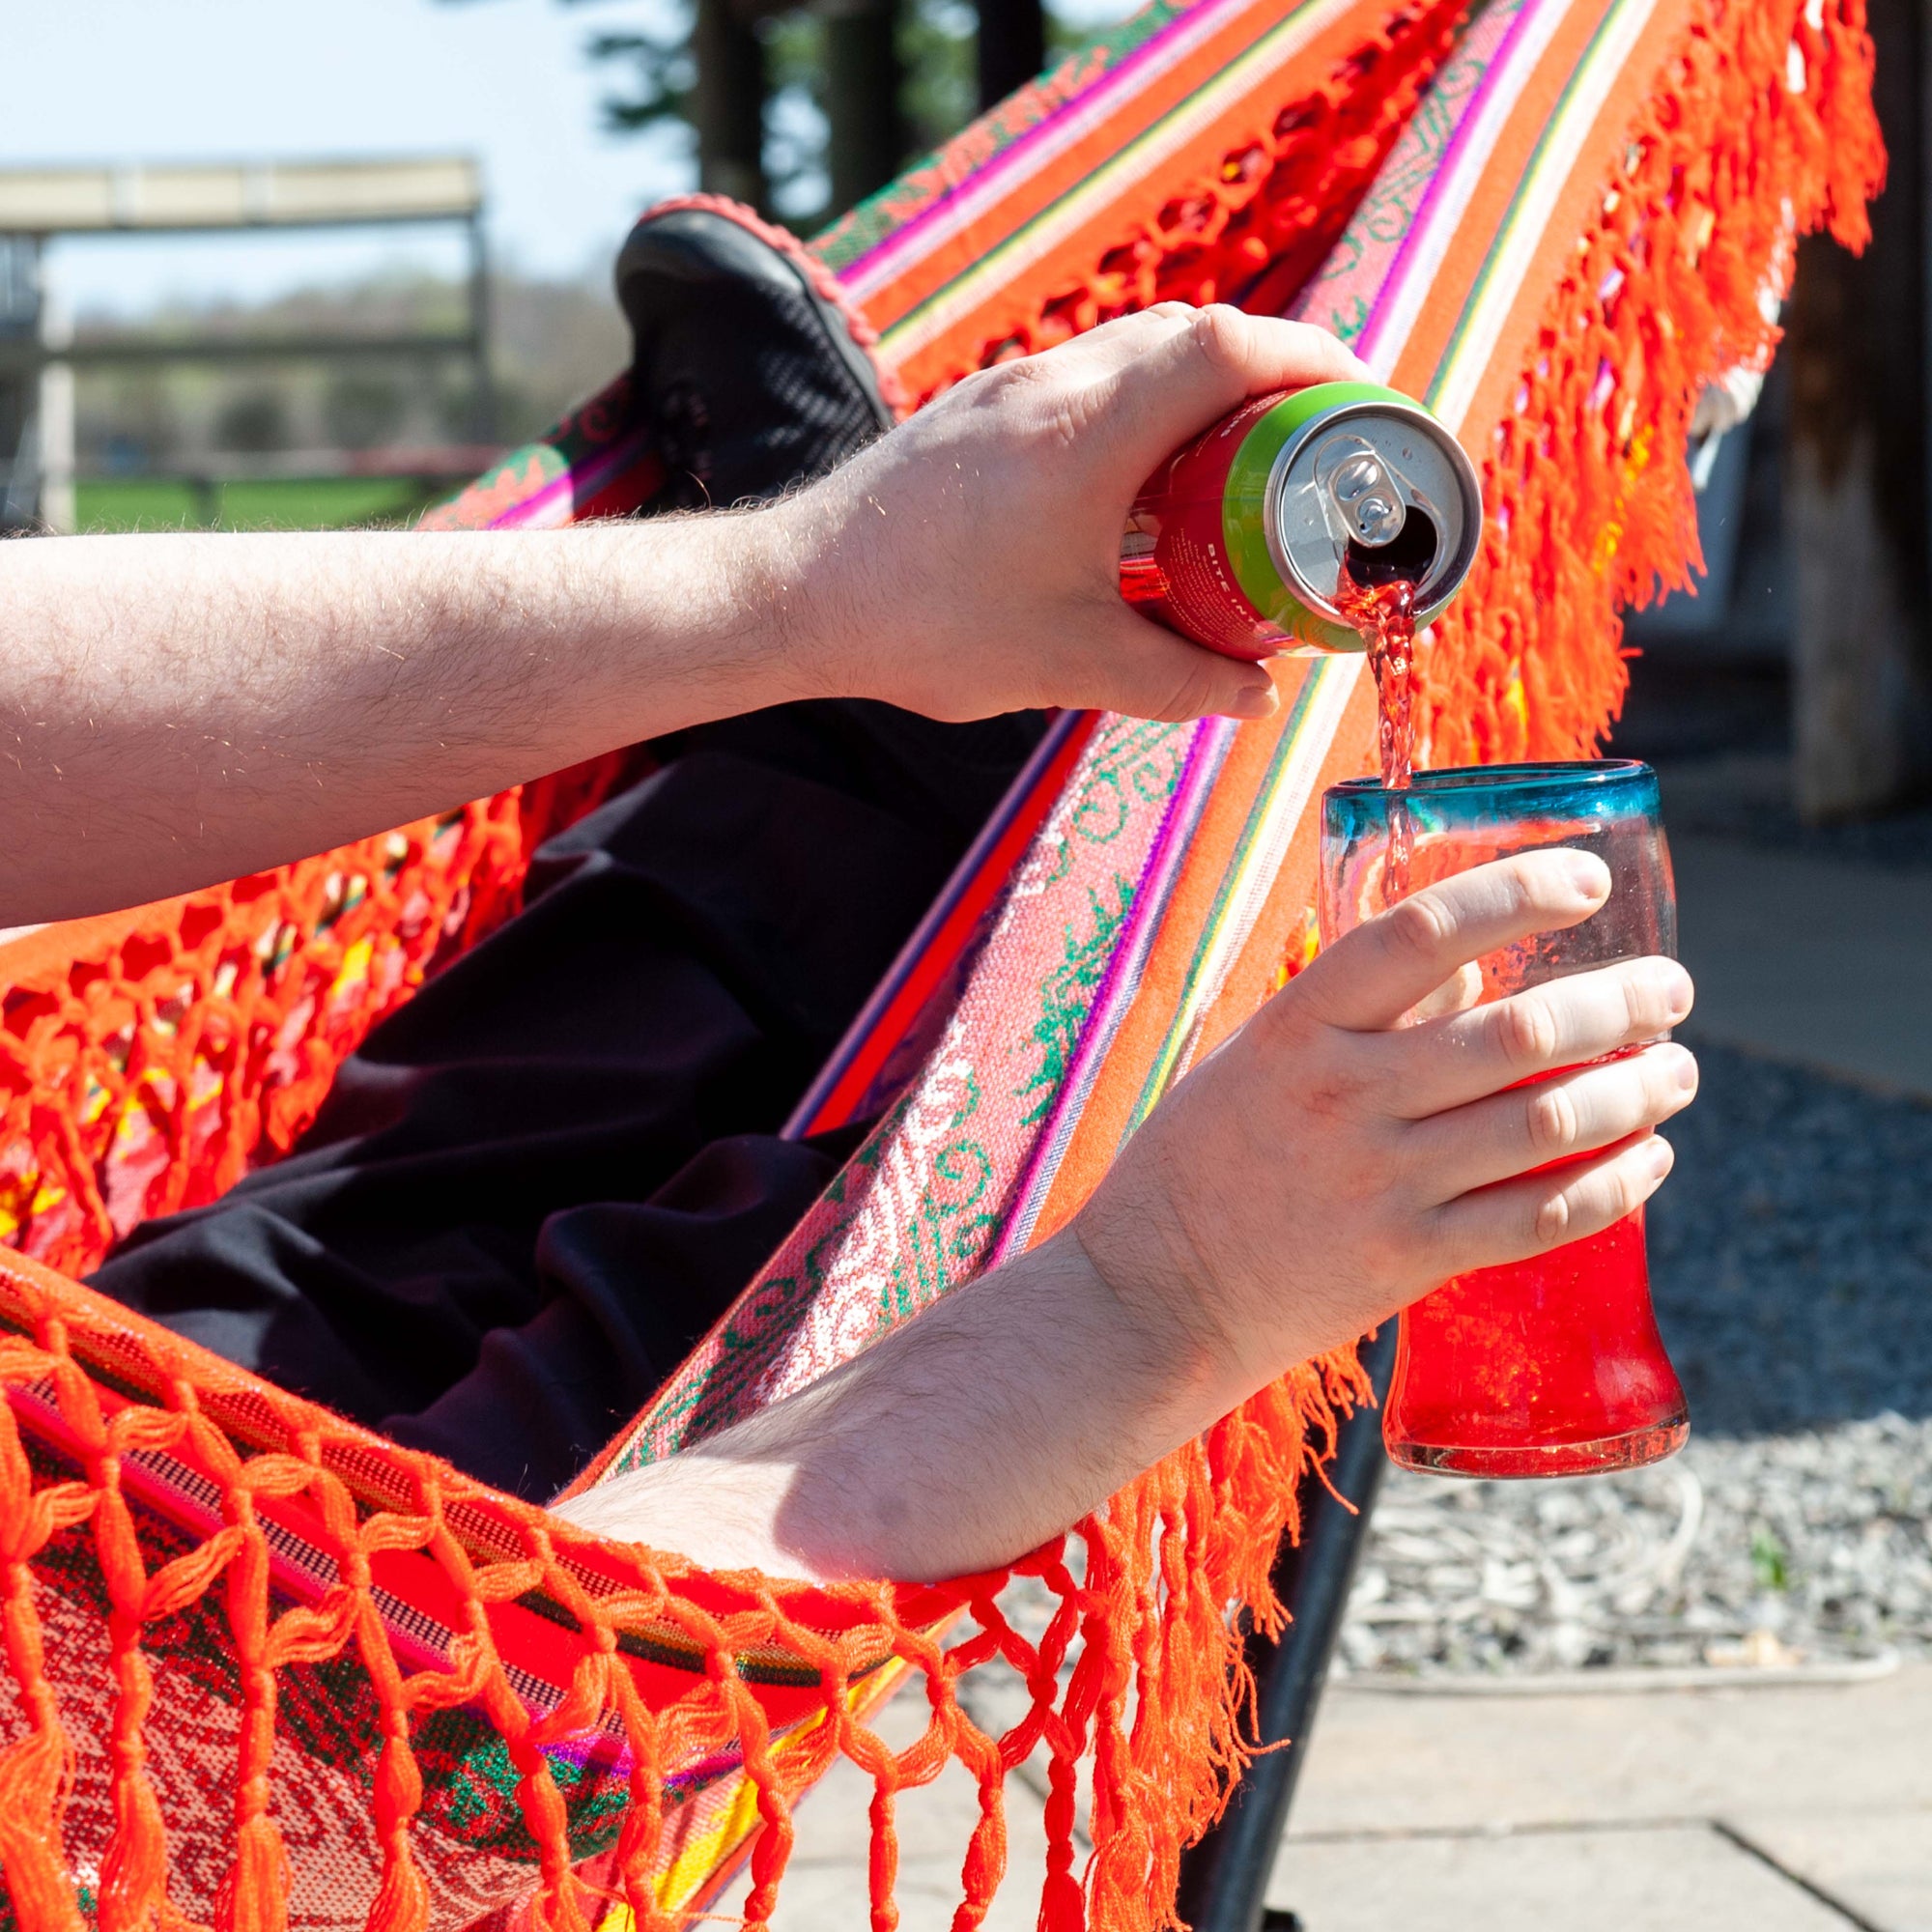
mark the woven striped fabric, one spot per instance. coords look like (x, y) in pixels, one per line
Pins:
(273, 1672)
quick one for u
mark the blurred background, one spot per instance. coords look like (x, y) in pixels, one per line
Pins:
(300, 266)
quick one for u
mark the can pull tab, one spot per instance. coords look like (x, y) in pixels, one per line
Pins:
(1368, 498)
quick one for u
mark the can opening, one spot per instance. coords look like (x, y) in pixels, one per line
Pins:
(1409, 554)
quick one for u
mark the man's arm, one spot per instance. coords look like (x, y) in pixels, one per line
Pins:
(1324, 1167)
(176, 710)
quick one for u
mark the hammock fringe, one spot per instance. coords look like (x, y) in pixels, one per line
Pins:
(432, 1706)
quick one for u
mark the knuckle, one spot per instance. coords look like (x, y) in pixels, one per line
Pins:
(1549, 1224)
(1220, 335)
(1191, 693)
(1650, 997)
(1630, 1187)
(1555, 1126)
(1418, 926)
(1526, 1030)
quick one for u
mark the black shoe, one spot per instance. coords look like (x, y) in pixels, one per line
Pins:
(750, 375)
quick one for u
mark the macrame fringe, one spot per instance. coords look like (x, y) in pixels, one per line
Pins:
(1728, 165)
(1675, 282)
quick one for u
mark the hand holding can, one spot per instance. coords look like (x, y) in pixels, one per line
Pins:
(1249, 538)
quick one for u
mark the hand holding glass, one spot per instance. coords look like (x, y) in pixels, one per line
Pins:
(1551, 1366)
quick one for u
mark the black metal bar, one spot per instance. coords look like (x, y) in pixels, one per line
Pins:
(727, 104)
(1223, 1879)
(862, 77)
(1011, 47)
(231, 348)
(483, 402)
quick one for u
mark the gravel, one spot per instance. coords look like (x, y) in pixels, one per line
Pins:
(1791, 1259)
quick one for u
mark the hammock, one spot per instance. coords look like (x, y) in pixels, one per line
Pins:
(268, 1670)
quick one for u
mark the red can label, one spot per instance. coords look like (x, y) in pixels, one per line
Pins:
(1175, 565)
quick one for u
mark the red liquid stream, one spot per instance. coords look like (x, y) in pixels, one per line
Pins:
(1384, 613)
(1548, 1367)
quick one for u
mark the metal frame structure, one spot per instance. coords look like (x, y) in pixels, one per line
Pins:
(39, 356)
(1224, 1878)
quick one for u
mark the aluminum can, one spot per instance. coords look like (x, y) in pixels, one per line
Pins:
(1243, 540)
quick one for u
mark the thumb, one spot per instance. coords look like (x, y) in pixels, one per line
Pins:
(1115, 660)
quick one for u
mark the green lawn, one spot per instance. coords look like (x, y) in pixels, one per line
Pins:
(152, 503)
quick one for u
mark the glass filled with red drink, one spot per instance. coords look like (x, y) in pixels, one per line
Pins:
(1553, 1365)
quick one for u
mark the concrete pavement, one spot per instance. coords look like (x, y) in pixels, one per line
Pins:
(1760, 1808)
(1827, 963)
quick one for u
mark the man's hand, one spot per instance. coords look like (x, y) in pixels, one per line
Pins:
(1341, 1155)
(188, 708)
(969, 563)
(1336, 1159)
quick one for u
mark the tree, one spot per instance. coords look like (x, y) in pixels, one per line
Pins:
(804, 110)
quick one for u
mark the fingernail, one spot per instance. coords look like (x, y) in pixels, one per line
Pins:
(1687, 1070)
(1662, 1158)
(1254, 700)
(1683, 994)
(1590, 876)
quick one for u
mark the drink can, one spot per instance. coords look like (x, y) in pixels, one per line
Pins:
(1245, 539)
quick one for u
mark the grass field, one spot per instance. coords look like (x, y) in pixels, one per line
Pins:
(155, 503)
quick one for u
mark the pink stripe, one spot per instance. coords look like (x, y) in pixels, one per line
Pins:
(1214, 737)
(1495, 71)
(1199, 22)
(573, 484)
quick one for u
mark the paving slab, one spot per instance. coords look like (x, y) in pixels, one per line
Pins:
(1407, 1764)
(1879, 1865)
(1684, 1878)
(1822, 961)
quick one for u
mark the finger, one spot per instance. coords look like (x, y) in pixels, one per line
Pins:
(1186, 368)
(1370, 978)
(1450, 1061)
(1116, 660)
(1556, 1120)
(1520, 1218)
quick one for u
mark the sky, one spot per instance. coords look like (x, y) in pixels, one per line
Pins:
(151, 80)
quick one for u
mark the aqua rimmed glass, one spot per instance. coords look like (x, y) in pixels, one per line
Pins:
(1552, 1366)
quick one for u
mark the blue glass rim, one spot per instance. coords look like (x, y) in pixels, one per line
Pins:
(1585, 774)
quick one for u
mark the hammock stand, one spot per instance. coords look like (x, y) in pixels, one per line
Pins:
(270, 1673)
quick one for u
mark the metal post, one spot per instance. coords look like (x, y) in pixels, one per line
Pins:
(729, 103)
(58, 510)
(1011, 47)
(863, 74)
(19, 338)
(1224, 1878)
(483, 402)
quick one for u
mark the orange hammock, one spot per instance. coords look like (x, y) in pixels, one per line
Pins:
(268, 1670)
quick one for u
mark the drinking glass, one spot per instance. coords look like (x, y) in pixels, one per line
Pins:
(1552, 1366)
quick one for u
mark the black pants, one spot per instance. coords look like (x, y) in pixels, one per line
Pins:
(537, 1185)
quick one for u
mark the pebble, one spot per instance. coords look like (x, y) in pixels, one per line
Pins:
(1791, 1262)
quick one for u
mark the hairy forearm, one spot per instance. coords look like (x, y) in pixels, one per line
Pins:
(957, 1443)
(177, 710)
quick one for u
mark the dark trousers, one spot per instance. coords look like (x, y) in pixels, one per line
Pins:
(537, 1185)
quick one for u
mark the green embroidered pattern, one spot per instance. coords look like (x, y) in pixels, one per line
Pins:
(1068, 991)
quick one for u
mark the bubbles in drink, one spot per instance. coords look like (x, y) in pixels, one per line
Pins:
(1384, 613)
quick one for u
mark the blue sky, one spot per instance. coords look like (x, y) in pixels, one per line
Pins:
(508, 80)
(111, 81)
